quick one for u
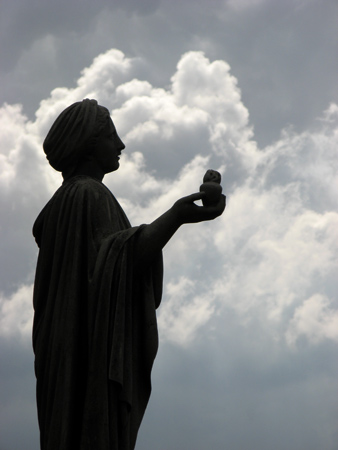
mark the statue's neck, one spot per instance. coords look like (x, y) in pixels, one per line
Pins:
(89, 168)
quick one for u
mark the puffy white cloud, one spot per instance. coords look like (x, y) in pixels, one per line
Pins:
(316, 319)
(12, 124)
(184, 311)
(96, 81)
(273, 248)
(16, 314)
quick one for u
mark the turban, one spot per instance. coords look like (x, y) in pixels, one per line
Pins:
(74, 133)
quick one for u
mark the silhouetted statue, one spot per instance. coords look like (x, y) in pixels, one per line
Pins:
(98, 283)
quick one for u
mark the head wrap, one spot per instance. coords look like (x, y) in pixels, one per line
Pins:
(74, 133)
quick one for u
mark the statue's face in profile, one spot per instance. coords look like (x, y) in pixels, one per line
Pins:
(109, 148)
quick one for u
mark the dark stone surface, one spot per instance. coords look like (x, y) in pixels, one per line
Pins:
(97, 286)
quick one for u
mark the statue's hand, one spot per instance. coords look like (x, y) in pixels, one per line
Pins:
(153, 237)
(188, 212)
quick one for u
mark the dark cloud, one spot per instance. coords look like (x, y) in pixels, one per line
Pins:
(233, 395)
(283, 54)
(19, 428)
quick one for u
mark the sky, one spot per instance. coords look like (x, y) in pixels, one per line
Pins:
(249, 318)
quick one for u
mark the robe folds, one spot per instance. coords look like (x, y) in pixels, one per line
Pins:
(95, 331)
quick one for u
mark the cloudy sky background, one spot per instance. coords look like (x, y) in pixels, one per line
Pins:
(249, 318)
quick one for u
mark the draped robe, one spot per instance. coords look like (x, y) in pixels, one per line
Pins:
(95, 331)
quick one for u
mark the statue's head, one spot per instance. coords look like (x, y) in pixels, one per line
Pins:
(75, 133)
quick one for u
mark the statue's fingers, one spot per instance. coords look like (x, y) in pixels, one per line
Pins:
(214, 211)
(195, 197)
(223, 200)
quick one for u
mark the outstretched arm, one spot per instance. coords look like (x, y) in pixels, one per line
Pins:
(154, 236)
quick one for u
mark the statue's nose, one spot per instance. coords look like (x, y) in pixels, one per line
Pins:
(121, 144)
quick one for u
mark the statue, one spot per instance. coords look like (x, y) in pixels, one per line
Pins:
(97, 286)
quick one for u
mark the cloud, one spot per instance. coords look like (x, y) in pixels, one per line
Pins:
(315, 319)
(280, 232)
(184, 312)
(16, 314)
(21, 195)
(256, 259)
(243, 294)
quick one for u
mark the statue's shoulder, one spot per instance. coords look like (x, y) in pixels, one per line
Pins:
(87, 195)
